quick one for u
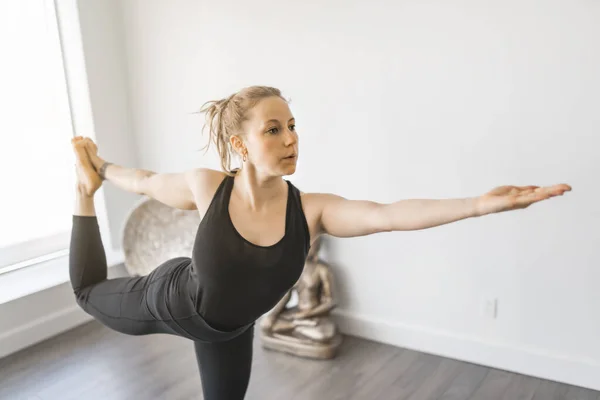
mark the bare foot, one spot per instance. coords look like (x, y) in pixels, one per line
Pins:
(88, 180)
(92, 152)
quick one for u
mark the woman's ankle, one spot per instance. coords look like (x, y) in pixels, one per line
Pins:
(84, 206)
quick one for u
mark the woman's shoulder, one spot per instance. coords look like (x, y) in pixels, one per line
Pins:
(205, 179)
(312, 206)
(317, 199)
(207, 173)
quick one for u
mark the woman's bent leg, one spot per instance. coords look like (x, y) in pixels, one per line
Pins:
(225, 366)
(119, 304)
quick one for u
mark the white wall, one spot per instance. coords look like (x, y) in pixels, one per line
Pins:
(102, 35)
(414, 99)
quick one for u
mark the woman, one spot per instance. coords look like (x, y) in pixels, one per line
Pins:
(253, 239)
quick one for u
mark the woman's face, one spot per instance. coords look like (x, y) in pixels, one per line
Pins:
(270, 137)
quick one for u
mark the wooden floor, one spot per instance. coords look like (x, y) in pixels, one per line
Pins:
(92, 362)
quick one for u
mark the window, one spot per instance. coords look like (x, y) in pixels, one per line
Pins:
(36, 161)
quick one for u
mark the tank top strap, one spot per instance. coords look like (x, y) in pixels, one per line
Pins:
(297, 216)
(220, 201)
(295, 193)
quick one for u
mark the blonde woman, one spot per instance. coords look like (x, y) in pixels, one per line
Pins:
(253, 239)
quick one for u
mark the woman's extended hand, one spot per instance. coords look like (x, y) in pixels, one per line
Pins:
(506, 198)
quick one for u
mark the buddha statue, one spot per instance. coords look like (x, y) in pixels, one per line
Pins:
(305, 329)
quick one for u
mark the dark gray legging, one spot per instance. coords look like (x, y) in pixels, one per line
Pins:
(145, 305)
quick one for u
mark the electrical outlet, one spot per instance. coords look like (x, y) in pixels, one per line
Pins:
(490, 308)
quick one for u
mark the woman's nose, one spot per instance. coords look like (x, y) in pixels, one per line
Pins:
(291, 137)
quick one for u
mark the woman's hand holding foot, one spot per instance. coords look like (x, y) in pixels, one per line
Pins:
(92, 152)
(88, 180)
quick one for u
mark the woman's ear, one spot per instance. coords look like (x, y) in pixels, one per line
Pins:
(237, 145)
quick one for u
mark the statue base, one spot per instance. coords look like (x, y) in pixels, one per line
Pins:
(302, 347)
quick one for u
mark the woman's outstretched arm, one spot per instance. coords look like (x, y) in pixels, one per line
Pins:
(349, 218)
(172, 189)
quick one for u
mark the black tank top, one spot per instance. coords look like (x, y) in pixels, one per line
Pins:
(235, 280)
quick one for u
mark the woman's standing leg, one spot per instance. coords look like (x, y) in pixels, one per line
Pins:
(225, 366)
(116, 303)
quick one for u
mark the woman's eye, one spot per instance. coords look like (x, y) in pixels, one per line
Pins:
(292, 127)
(272, 130)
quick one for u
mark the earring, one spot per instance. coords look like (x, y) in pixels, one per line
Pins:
(245, 156)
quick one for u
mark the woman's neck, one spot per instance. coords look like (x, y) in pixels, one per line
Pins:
(257, 191)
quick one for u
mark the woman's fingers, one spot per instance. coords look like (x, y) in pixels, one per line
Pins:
(533, 194)
(529, 187)
(554, 190)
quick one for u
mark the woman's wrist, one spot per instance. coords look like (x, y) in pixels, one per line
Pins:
(102, 170)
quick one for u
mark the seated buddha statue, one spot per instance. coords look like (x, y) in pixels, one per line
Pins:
(305, 329)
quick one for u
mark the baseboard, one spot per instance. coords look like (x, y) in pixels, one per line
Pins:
(537, 363)
(46, 321)
(41, 329)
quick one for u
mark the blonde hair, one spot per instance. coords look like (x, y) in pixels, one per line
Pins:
(224, 118)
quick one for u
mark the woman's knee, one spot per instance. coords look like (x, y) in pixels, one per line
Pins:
(81, 296)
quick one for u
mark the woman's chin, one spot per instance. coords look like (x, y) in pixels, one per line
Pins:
(289, 169)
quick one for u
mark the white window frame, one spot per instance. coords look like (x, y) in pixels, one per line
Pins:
(50, 269)
(25, 253)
